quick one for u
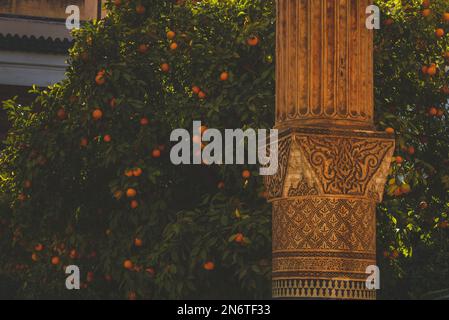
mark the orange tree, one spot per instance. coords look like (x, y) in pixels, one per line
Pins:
(87, 179)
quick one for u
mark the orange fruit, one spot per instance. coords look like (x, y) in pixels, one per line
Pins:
(62, 115)
(165, 67)
(129, 173)
(426, 3)
(84, 142)
(399, 160)
(131, 193)
(144, 122)
(202, 95)
(426, 12)
(221, 185)
(390, 131)
(253, 41)
(433, 111)
(224, 76)
(239, 238)
(35, 257)
(137, 172)
(138, 242)
(196, 89)
(39, 247)
(140, 9)
(171, 35)
(55, 261)
(100, 79)
(107, 138)
(246, 174)
(73, 254)
(424, 69)
(143, 48)
(174, 46)
(128, 264)
(156, 153)
(446, 16)
(439, 32)
(432, 70)
(209, 266)
(411, 150)
(134, 204)
(117, 3)
(97, 114)
(132, 296)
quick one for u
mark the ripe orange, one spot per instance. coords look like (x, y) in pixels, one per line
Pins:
(100, 79)
(426, 12)
(143, 48)
(432, 70)
(253, 41)
(35, 257)
(128, 264)
(202, 95)
(144, 122)
(171, 35)
(129, 173)
(411, 150)
(426, 3)
(439, 32)
(84, 142)
(433, 111)
(156, 153)
(174, 46)
(73, 254)
(39, 247)
(425, 69)
(134, 204)
(239, 238)
(446, 16)
(55, 261)
(140, 9)
(138, 242)
(107, 138)
(209, 266)
(117, 3)
(221, 185)
(165, 67)
(62, 115)
(246, 174)
(399, 160)
(97, 114)
(224, 76)
(137, 172)
(131, 193)
(390, 131)
(196, 89)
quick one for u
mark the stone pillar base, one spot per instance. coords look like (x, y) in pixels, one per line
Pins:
(324, 211)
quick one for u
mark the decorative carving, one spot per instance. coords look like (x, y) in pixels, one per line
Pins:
(324, 224)
(322, 289)
(302, 188)
(275, 183)
(344, 165)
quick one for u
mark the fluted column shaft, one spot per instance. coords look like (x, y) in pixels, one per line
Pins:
(332, 164)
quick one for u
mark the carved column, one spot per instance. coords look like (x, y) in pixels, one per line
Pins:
(333, 165)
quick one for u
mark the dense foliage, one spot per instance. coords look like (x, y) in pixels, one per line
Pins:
(86, 178)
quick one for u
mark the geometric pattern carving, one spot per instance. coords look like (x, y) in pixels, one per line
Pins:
(322, 289)
(324, 224)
